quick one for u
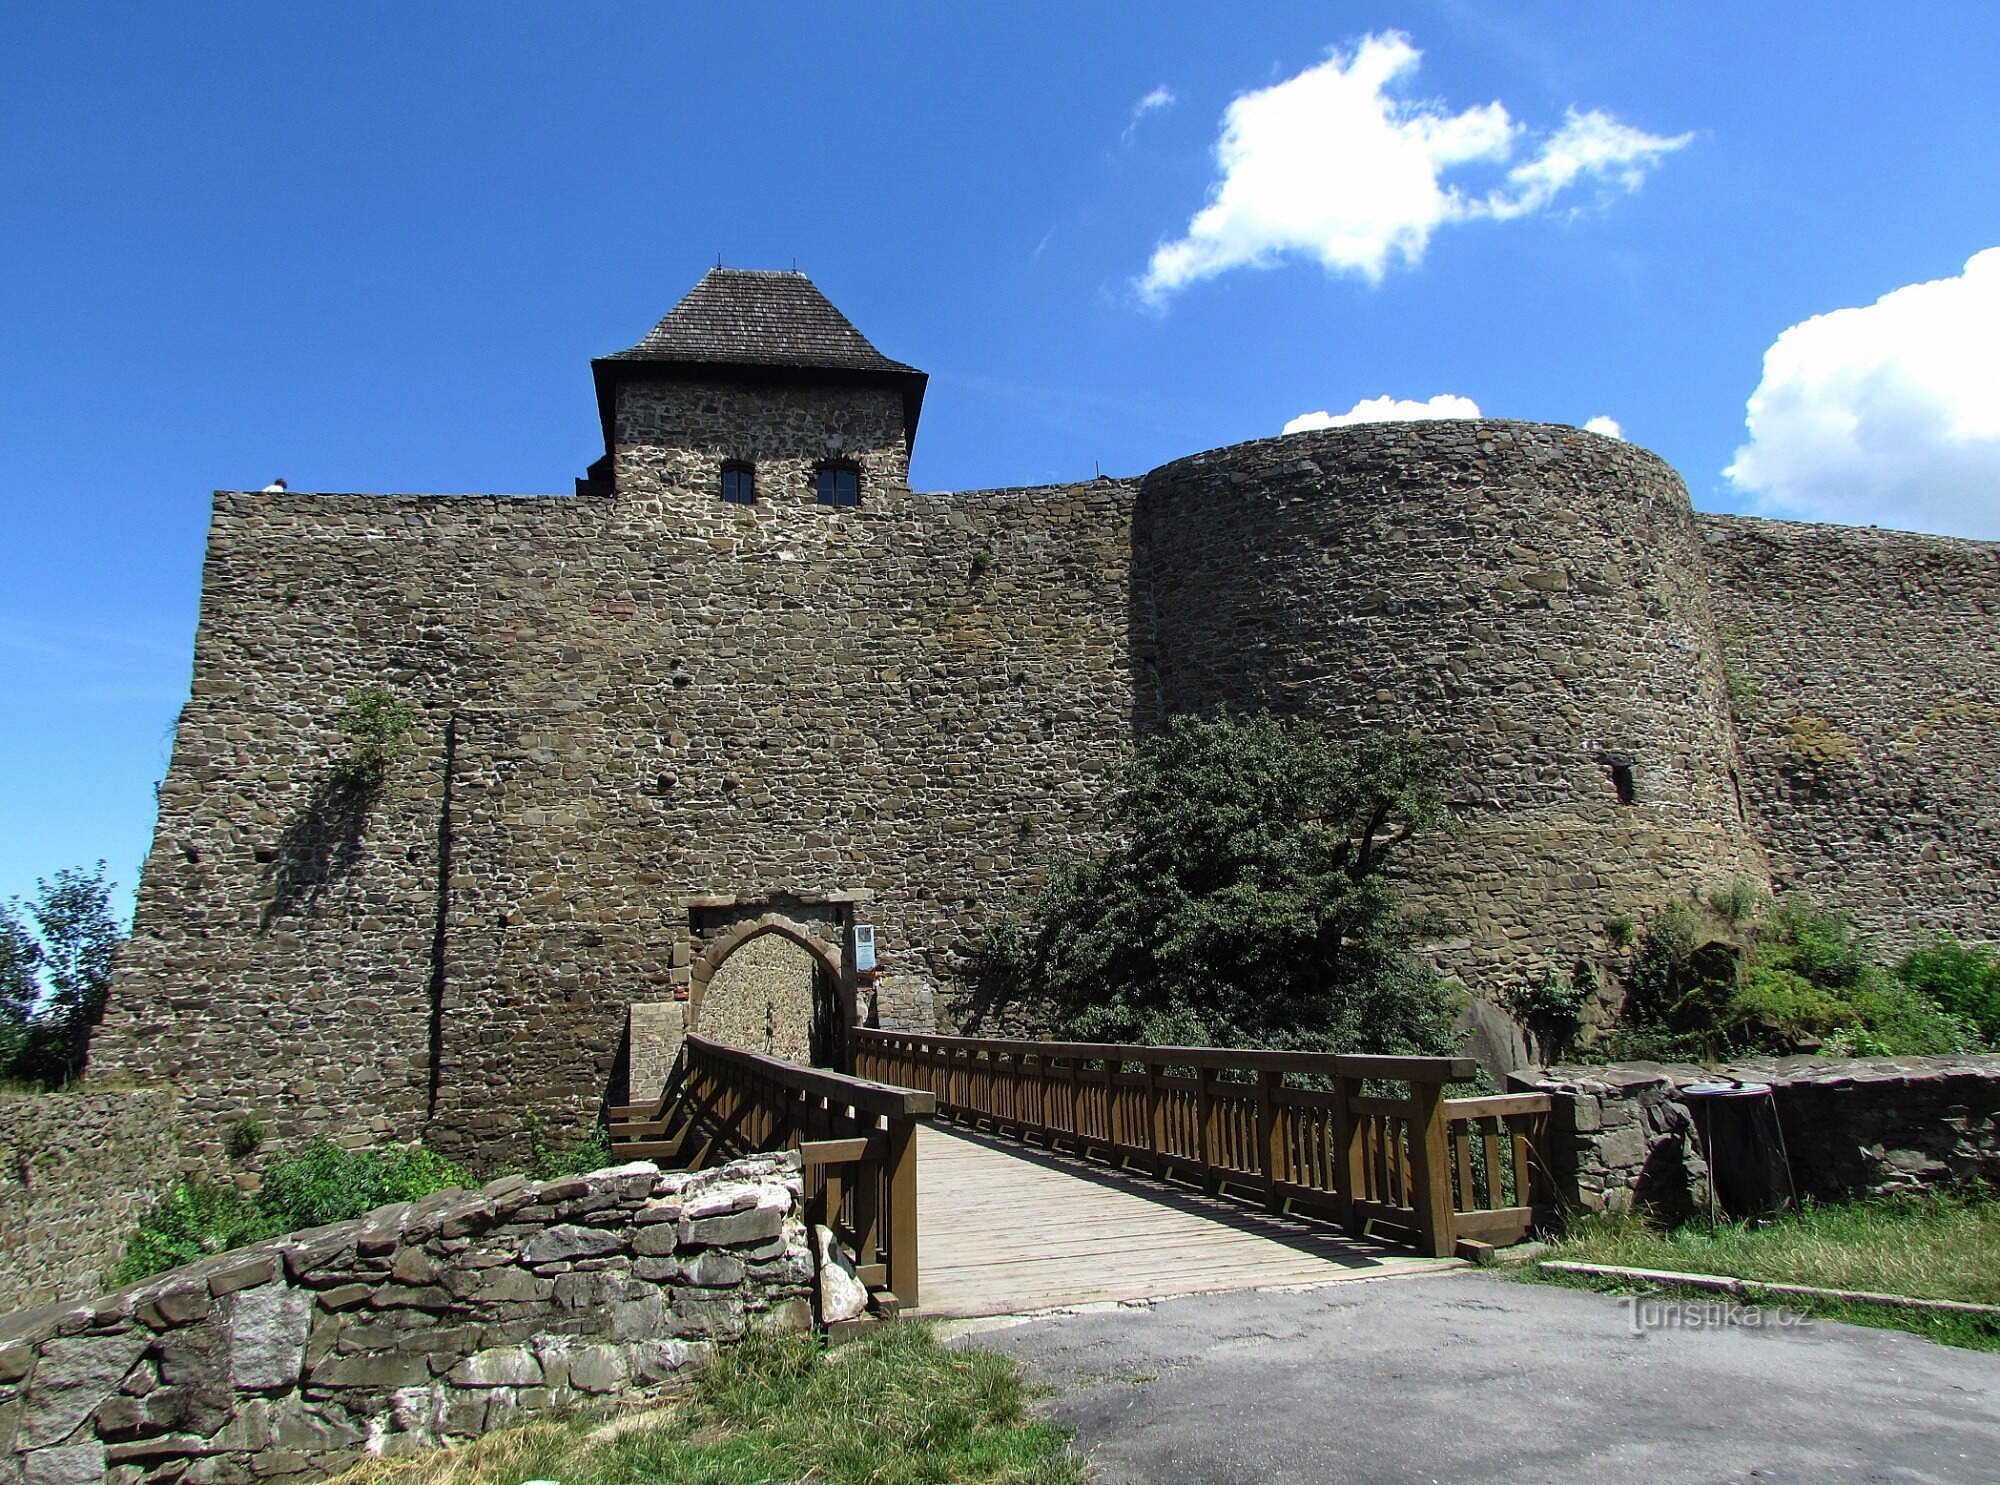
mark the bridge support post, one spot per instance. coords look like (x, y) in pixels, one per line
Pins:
(902, 1253)
(1430, 1171)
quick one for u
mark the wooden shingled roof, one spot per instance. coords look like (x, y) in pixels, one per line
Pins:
(757, 326)
(750, 317)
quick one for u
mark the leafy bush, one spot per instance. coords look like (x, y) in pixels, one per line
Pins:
(546, 1162)
(193, 1220)
(322, 1183)
(1724, 979)
(1963, 979)
(1551, 1007)
(377, 725)
(1248, 905)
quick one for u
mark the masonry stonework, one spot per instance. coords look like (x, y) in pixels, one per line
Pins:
(77, 1170)
(420, 1324)
(651, 721)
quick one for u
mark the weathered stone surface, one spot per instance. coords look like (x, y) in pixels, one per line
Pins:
(503, 1366)
(268, 1327)
(842, 1295)
(556, 1244)
(292, 1367)
(755, 1224)
(78, 1464)
(74, 1374)
(80, 1171)
(598, 1369)
(1625, 1135)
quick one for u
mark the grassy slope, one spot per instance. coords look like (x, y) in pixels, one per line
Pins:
(1936, 1247)
(894, 1408)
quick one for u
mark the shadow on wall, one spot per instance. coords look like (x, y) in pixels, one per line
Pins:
(318, 847)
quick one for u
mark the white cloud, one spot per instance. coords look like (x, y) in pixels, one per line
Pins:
(1386, 410)
(1607, 426)
(1161, 97)
(1328, 164)
(1887, 414)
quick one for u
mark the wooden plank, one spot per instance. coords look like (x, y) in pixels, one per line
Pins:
(1502, 1226)
(1005, 1234)
(1499, 1103)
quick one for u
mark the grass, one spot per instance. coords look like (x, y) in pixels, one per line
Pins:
(894, 1408)
(1930, 1247)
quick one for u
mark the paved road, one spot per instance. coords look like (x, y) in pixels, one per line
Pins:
(1471, 1378)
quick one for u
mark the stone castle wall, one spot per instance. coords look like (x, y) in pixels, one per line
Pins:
(648, 718)
(419, 1324)
(1530, 598)
(630, 708)
(77, 1170)
(1866, 666)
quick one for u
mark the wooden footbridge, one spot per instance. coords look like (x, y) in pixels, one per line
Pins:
(979, 1177)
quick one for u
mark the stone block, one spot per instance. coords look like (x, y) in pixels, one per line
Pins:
(565, 1242)
(598, 1369)
(655, 1241)
(1622, 1148)
(243, 1272)
(713, 1269)
(268, 1327)
(76, 1464)
(73, 1376)
(181, 1305)
(502, 1366)
(757, 1224)
(842, 1295)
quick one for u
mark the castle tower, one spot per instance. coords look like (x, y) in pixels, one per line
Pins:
(754, 389)
(1527, 596)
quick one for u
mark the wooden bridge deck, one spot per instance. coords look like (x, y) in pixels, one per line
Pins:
(1005, 1228)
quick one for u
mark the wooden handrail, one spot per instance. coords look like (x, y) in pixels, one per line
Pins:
(1253, 1059)
(856, 1139)
(884, 1100)
(1436, 1169)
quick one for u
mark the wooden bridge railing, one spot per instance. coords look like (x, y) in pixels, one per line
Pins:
(857, 1139)
(1440, 1170)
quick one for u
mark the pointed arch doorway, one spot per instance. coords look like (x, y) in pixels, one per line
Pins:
(774, 982)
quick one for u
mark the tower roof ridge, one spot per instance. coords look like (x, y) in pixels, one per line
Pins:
(758, 317)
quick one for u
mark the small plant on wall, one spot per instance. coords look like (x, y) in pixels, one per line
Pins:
(323, 840)
(1551, 1008)
(377, 726)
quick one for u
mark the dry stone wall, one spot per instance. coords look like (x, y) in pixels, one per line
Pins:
(77, 1170)
(420, 1324)
(1528, 596)
(1624, 1135)
(1866, 667)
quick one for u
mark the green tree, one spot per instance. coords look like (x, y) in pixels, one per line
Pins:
(1248, 905)
(55, 968)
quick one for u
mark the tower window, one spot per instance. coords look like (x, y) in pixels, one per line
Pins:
(739, 483)
(838, 484)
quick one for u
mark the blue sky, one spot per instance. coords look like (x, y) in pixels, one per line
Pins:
(375, 247)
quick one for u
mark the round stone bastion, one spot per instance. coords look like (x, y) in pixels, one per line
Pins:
(1528, 596)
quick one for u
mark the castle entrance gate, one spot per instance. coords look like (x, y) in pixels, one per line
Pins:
(771, 977)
